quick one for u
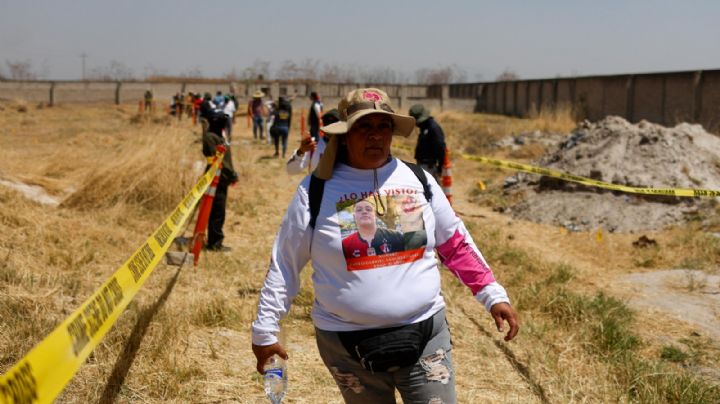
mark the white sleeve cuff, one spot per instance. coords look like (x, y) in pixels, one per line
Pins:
(264, 339)
(491, 295)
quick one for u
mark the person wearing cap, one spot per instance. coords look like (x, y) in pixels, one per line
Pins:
(310, 150)
(315, 115)
(379, 320)
(211, 139)
(430, 148)
(256, 110)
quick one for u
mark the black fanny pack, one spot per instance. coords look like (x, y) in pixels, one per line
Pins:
(388, 349)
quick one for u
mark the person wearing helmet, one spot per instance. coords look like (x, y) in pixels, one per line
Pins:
(310, 150)
(379, 312)
(430, 148)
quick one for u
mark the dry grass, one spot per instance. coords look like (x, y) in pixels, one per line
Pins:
(185, 338)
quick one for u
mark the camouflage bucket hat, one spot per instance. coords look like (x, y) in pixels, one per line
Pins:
(365, 101)
(355, 105)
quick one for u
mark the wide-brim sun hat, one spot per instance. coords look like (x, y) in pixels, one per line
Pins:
(355, 105)
(258, 94)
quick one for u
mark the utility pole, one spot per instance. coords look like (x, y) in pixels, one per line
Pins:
(83, 56)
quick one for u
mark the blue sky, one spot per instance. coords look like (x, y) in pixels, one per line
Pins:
(532, 38)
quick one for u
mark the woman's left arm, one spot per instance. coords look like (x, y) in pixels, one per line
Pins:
(458, 252)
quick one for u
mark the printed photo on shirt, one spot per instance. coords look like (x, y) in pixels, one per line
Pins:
(382, 231)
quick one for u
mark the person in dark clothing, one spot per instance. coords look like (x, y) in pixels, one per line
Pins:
(314, 116)
(211, 139)
(281, 125)
(430, 148)
(148, 100)
(207, 110)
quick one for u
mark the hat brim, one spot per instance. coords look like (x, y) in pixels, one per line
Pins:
(422, 118)
(404, 124)
(258, 94)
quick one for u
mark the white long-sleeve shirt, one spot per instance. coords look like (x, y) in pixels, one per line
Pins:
(385, 285)
(299, 164)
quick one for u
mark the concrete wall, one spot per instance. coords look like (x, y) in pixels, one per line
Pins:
(30, 91)
(664, 98)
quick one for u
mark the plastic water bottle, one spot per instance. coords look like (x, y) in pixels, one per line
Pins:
(275, 379)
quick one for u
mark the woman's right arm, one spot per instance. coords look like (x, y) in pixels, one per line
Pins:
(290, 253)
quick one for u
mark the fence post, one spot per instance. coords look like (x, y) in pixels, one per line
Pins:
(697, 96)
(630, 98)
(444, 96)
(117, 92)
(52, 93)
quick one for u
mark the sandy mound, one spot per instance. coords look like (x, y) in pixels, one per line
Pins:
(614, 150)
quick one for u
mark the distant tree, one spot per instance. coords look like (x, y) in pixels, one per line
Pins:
(115, 71)
(194, 72)
(260, 69)
(288, 70)
(151, 72)
(21, 70)
(336, 73)
(381, 75)
(440, 75)
(232, 75)
(507, 75)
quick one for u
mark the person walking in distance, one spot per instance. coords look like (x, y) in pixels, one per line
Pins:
(315, 115)
(207, 111)
(430, 148)
(256, 110)
(229, 110)
(211, 139)
(379, 316)
(282, 116)
(148, 100)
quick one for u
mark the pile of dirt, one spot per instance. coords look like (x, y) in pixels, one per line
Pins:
(614, 150)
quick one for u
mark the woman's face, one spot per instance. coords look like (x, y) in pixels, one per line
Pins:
(364, 214)
(368, 141)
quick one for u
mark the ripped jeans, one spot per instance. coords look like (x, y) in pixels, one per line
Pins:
(430, 380)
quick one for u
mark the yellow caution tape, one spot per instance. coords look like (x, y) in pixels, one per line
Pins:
(595, 183)
(43, 373)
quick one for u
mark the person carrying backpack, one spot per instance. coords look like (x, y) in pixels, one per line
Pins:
(430, 148)
(379, 313)
(280, 128)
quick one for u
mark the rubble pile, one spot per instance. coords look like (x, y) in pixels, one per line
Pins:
(614, 150)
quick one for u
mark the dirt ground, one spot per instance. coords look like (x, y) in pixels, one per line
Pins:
(186, 337)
